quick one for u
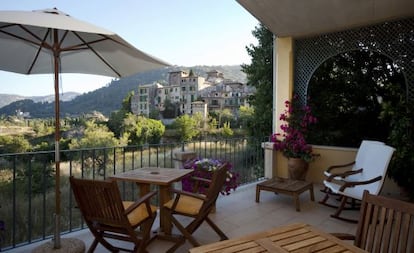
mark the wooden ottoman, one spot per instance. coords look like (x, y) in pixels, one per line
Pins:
(285, 186)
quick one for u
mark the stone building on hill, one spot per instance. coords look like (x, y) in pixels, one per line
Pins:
(191, 93)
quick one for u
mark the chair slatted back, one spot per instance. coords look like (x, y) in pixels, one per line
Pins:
(99, 201)
(217, 182)
(385, 225)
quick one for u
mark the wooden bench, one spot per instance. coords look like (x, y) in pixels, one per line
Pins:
(285, 186)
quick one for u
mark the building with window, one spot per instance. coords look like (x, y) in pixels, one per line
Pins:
(142, 102)
(226, 95)
(192, 93)
(182, 89)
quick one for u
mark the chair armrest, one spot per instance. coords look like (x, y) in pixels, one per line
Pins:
(145, 199)
(198, 181)
(204, 180)
(344, 236)
(190, 194)
(355, 183)
(344, 174)
(330, 168)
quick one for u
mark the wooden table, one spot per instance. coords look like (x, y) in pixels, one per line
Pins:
(291, 238)
(286, 186)
(163, 177)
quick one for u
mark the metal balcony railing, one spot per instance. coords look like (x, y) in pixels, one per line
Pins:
(27, 180)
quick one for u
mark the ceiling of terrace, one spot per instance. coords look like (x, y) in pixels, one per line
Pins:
(304, 18)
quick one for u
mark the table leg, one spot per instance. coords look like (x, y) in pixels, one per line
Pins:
(257, 194)
(297, 203)
(165, 222)
(143, 189)
(312, 196)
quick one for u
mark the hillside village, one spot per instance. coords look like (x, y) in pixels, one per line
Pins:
(191, 93)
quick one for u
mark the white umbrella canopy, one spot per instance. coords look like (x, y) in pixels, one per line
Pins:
(50, 41)
(28, 46)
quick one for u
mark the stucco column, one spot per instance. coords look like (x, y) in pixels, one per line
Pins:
(282, 91)
(282, 76)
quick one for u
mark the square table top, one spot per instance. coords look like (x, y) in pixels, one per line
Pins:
(298, 237)
(286, 184)
(152, 175)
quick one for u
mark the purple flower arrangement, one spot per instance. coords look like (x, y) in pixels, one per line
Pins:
(291, 141)
(204, 168)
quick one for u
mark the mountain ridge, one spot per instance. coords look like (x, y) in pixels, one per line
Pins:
(6, 99)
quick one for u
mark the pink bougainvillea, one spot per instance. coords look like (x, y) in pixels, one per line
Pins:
(296, 120)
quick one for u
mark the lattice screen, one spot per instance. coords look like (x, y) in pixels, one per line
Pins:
(393, 39)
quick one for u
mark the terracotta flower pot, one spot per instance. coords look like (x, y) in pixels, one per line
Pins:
(297, 168)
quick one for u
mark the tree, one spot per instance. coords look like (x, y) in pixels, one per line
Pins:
(141, 130)
(116, 119)
(212, 123)
(41, 128)
(95, 136)
(156, 130)
(14, 144)
(171, 110)
(154, 113)
(187, 127)
(260, 75)
(400, 117)
(348, 92)
(246, 114)
(226, 130)
(191, 73)
(198, 117)
(225, 115)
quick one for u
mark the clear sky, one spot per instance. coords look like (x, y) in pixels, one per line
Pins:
(181, 32)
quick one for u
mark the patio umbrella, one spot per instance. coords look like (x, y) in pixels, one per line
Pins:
(50, 41)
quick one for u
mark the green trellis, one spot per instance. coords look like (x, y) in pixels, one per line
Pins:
(393, 39)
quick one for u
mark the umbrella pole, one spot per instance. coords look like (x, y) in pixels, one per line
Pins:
(57, 243)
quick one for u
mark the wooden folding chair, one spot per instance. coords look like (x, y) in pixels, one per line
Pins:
(107, 216)
(196, 206)
(385, 225)
(370, 176)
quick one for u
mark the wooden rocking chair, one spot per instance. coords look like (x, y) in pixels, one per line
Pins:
(196, 206)
(358, 158)
(385, 225)
(107, 216)
(370, 176)
(338, 171)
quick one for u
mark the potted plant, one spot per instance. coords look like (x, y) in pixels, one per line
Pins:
(204, 168)
(291, 141)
